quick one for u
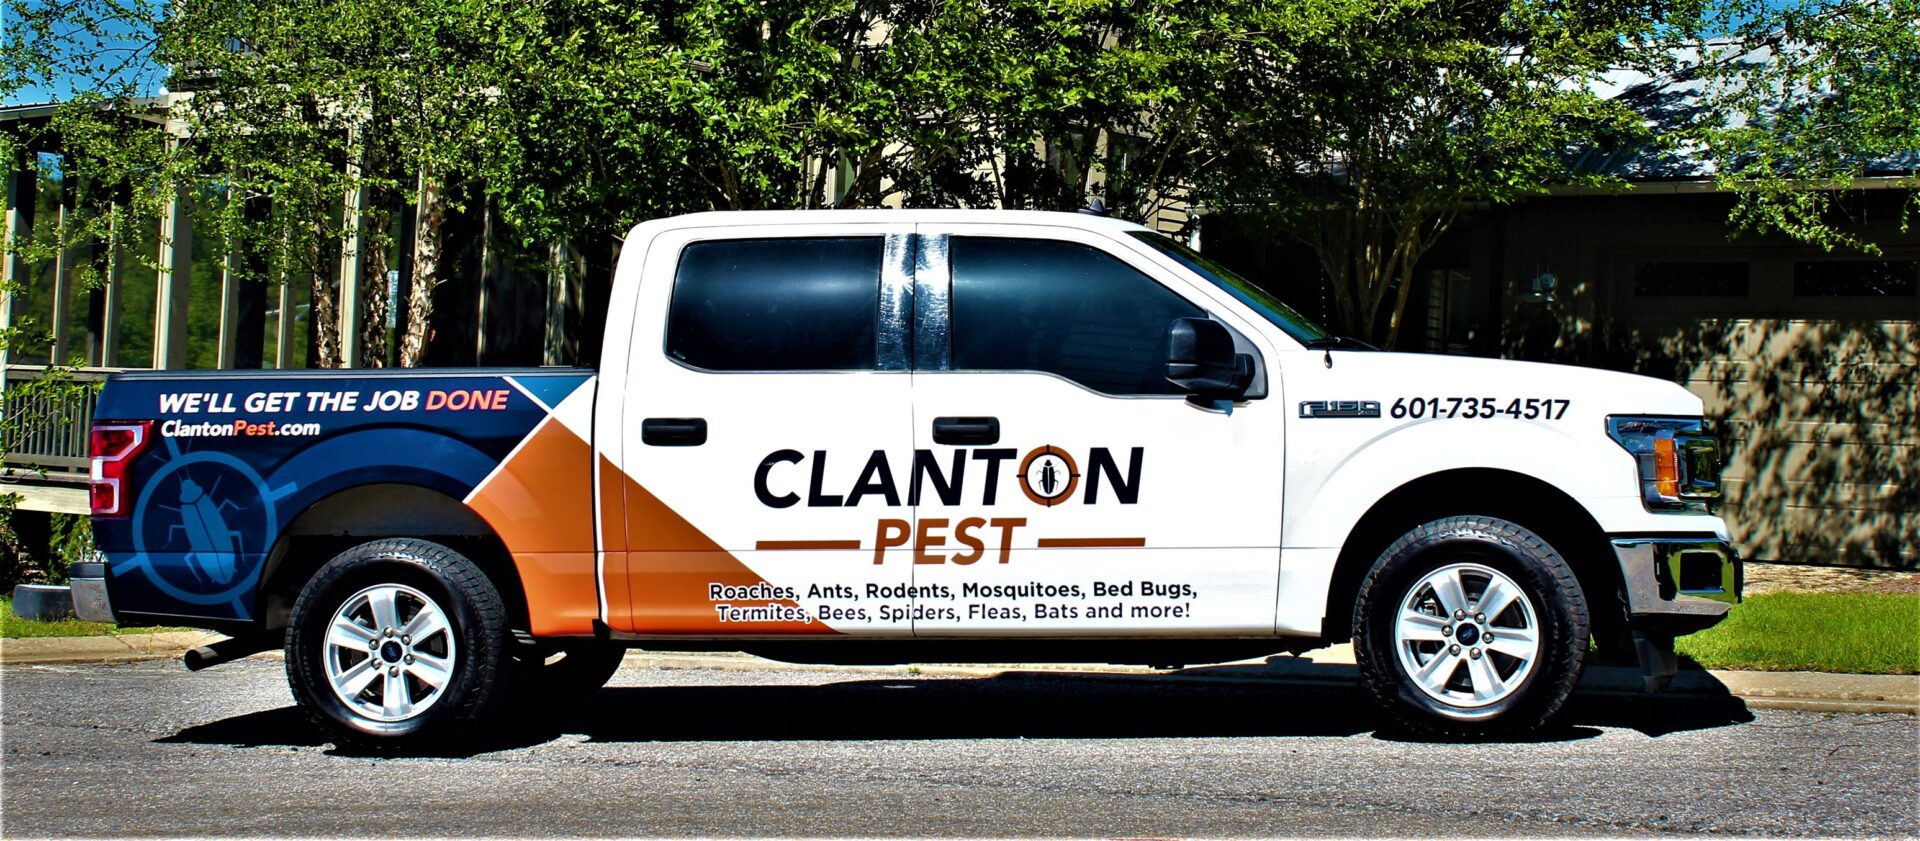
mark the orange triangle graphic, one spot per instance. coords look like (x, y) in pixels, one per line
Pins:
(670, 566)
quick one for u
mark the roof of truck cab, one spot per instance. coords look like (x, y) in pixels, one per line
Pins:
(719, 218)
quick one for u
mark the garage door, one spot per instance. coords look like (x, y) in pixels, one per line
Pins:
(1809, 363)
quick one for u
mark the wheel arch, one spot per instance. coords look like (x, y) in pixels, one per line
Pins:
(362, 513)
(1536, 505)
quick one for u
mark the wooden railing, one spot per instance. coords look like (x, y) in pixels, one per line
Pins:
(45, 428)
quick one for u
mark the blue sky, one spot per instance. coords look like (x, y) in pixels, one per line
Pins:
(146, 77)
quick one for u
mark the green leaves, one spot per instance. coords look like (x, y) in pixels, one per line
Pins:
(1366, 126)
(1805, 97)
(1360, 127)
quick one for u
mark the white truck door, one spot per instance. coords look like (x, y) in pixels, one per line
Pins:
(1082, 493)
(765, 429)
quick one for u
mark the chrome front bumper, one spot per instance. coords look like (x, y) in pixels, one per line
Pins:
(1675, 586)
(88, 582)
(1684, 578)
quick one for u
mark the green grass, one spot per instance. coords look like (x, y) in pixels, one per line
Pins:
(14, 626)
(1862, 633)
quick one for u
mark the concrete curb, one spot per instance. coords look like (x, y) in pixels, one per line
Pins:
(116, 648)
(1325, 668)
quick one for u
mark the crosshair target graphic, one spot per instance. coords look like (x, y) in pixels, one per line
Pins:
(207, 513)
(1048, 476)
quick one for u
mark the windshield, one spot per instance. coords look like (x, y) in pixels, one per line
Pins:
(1242, 289)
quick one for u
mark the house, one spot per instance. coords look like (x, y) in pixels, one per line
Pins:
(1808, 360)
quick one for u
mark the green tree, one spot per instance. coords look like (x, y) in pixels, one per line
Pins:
(1363, 128)
(301, 104)
(1045, 105)
(281, 111)
(1803, 98)
(636, 110)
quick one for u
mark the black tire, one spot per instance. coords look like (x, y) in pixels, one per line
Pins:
(474, 642)
(1521, 694)
(580, 669)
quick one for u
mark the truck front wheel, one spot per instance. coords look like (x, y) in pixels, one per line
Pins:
(397, 641)
(1470, 626)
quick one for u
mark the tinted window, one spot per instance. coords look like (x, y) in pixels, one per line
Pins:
(1040, 305)
(1690, 280)
(1855, 279)
(777, 304)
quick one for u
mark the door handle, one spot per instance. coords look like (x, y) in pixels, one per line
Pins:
(966, 431)
(674, 432)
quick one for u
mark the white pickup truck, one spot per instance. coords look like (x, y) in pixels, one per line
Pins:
(893, 436)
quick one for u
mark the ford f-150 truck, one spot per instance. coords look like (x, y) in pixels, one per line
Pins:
(894, 436)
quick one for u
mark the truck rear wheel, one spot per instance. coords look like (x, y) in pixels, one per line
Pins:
(397, 641)
(1470, 626)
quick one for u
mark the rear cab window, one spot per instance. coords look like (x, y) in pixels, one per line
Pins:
(796, 304)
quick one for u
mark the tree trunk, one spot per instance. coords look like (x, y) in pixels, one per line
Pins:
(323, 318)
(1418, 235)
(1405, 274)
(374, 287)
(432, 215)
(375, 227)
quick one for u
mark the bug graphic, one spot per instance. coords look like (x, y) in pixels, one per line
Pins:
(215, 547)
(1048, 477)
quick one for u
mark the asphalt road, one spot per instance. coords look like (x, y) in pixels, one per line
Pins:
(150, 749)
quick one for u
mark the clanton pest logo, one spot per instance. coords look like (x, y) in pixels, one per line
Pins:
(1047, 475)
(960, 491)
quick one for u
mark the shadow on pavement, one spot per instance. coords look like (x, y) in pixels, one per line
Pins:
(283, 727)
(1015, 705)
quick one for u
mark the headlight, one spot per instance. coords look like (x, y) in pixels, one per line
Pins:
(1678, 459)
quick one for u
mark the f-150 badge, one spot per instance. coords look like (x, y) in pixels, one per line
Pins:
(1340, 409)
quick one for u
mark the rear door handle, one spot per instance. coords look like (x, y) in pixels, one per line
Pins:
(674, 432)
(964, 432)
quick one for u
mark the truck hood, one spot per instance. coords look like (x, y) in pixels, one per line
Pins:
(1385, 376)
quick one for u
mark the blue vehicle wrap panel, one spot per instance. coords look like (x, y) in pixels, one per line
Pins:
(236, 456)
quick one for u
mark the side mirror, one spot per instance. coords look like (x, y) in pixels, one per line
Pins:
(1200, 360)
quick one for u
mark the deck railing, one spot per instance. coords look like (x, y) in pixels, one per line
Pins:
(45, 428)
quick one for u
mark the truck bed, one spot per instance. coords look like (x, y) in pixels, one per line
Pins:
(230, 459)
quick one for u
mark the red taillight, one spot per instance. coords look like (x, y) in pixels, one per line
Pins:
(115, 446)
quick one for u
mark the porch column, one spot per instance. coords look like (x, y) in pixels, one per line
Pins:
(283, 320)
(63, 270)
(13, 270)
(352, 263)
(110, 300)
(229, 311)
(172, 285)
